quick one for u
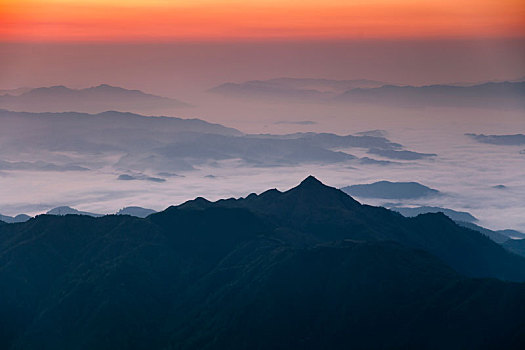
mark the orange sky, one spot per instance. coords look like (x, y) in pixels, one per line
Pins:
(165, 20)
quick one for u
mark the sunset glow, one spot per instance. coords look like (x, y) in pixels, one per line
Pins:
(97, 20)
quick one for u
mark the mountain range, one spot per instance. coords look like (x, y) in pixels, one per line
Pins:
(501, 140)
(141, 147)
(455, 215)
(293, 89)
(501, 95)
(94, 99)
(14, 219)
(306, 268)
(391, 190)
(508, 94)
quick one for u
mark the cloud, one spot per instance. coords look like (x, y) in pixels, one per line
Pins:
(400, 154)
(127, 177)
(300, 122)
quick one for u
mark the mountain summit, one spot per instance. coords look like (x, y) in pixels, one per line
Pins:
(306, 268)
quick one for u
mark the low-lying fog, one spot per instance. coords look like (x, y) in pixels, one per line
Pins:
(47, 174)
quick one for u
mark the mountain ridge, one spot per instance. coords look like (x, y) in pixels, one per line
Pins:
(267, 271)
(93, 99)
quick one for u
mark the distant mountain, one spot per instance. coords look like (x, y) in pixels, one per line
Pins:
(502, 140)
(15, 92)
(70, 211)
(500, 95)
(507, 94)
(463, 219)
(14, 219)
(136, 211)
(496, 236)
(391, 190)
(141, 147)
(453, 214)
(308, 268)
(93, 100)
(513, 234)
(308, 90)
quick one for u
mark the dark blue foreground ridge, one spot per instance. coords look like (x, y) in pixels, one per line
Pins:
(306, 268)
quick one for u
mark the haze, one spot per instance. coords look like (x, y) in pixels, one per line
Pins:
(220, 61)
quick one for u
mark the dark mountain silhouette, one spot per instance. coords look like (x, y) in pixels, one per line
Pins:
(516, 246)
(92, 100)
(306, 268)
(453, 214)
(463, 219)
(496, 236)
(499, 95)
(499, 236)
(136, 211)
(14, 219)
(391, 190)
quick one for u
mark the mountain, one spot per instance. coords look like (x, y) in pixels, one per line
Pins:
(136, 211)
(70, 211)
(507, 94)
(453, 214)
(140, 147)
(92, 100)
(487, 95)
(502, 140)
(14, 92)
(14, 219)
(513, 234)
(307, 268)
(517, 246)
(463, 219)
(308, 90)
(321, 213)
(496, 236)
(499, 236)
(391, 190)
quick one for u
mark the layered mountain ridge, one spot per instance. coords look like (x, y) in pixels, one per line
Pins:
(305, 268)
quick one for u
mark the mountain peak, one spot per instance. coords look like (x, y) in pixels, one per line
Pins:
(311, 181)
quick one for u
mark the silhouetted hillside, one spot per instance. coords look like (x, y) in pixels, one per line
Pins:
(453, 214)
(307, 268)
(516, 246)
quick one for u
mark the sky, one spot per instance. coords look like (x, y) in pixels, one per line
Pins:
(163, 20)
(180, 49)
